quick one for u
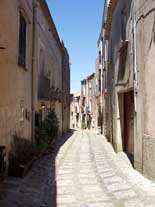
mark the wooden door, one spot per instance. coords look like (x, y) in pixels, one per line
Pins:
(128, 144)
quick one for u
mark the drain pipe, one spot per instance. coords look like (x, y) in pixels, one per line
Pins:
(135, 57)
(32, 72)
(136, 77)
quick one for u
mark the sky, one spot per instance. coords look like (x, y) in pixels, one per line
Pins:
(78, 23)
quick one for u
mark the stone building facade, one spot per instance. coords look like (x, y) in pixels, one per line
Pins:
(144, 85)
(128, 41)
(120, 75)
(16, 19)
(83, 105)
(75, 115)
(99, 90)
(88, 104)
(48, 65)
(65, 90)
(32, 61)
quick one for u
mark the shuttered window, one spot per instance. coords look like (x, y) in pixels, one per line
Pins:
(22, 41)
(123, 24)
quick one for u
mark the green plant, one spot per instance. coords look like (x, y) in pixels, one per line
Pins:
(47, 132)
(41, 137)
(22, 150)
(52, 125)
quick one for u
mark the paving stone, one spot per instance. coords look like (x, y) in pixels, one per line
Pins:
(92, 189)
(125, 194)
(134, 203)
(84, 173)
(112, 179)
(65, 199)
(118, 187)
(86, 181)
(107, 174)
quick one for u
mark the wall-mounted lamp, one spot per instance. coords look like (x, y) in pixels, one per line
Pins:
(43, 106)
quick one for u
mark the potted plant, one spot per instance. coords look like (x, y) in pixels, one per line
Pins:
(21, 156)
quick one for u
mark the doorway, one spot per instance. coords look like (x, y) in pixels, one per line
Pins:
(128, 138)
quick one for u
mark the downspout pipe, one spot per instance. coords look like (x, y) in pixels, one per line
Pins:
(135, 57)
(62, 84)
(136, 76)
(32, 72)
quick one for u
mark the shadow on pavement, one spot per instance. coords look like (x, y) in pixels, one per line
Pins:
(39, 187)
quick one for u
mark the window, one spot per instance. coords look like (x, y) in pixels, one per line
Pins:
(83, 101)
(122, 61)
(123, 24)
(111, 52)
(100, 58)
(99, 81)
(22, 41)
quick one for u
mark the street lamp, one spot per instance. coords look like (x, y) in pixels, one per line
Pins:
(43, 106)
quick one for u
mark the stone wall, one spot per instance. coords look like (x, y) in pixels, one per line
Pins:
(146, 97)
(66, 90)
(119, 80)
(16, 101)
(48, 62)
(15, 81)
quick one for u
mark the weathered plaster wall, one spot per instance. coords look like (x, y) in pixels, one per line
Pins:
(119, 86)
(15, 81)
(146, 34)
(48, 56)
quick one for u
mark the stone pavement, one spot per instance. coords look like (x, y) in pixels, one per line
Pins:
(83, 172)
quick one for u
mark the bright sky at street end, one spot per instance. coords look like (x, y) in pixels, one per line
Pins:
(79, 25)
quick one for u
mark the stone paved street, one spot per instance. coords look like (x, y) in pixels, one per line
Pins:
(87, 174)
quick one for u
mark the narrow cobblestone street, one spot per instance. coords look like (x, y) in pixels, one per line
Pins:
(88, 173)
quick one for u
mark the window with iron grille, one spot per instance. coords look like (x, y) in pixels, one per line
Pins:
(22, 41)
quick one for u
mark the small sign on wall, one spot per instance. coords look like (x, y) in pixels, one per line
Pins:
(27, 115)
(22, 111)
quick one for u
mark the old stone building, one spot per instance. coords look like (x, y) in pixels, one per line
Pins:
(88, 104)
(16, 22)
(99, 90)
(120, 74)
(33, 61)
(48, 64)
(75, 115)
(65, 90)
(128, 41)
(144, 63)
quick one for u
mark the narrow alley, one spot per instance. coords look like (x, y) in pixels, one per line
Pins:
(77, 96)
(88, 173)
